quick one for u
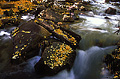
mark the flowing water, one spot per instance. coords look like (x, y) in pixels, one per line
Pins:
(98, 39)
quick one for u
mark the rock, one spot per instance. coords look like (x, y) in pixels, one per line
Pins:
(115, 0)
(106, 17)
(64, 35)
(68, 18)
(52, 15)
(82, 8)
(26, 39)
(7, 6)
(8, 13)
(55, 58)
(10, 22)
(110, 11)
(107, 1)
(6, 49)
(39, 9)
(35, 2)
(72, 1)
(12, 0)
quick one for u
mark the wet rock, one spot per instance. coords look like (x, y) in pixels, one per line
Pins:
(8, 13)
(82, 8)
(39, 9)
(110, 10)
(64, 35)
(26, 39)
(71, 1)
(67, 18)
(10, 22)
(6, 47)
(55, 58)
(115, 0)
(35, 2)
(12, 0)
(6, 6)
(112, 62)
(106, 17)
(52, 15)
(107, 1)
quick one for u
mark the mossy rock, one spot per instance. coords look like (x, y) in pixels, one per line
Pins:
(55, 58)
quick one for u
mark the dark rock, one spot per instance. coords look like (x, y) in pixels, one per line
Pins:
(8, 13)
(12, 0)
(35, 2)
(52, 15)
(55, 59)
(39, 9)
(10, 22)
(72, 1)
(115, 0)
(110, 11)
(107, 17)
(64, 35)
(82, 8)
(7, 6)
(68, 18)
(49, 4)
(107, 1)
(26, 39)
(6, 47)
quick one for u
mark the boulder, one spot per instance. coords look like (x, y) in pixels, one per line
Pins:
(110, 10)
(8, 13)
(115, 0)
(39, 9)
(55, 58)
(26, 39)
(12, 0)
(52, 15)
(6, 6)
(63, 34)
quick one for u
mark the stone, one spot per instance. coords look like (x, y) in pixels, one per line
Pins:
(110, 10)
(63, 34)
(26, 40)
(49, 14)
(68, 18)
(8, 13)
(39, 9)
(7, 6)
(54, 59)
(115, 0)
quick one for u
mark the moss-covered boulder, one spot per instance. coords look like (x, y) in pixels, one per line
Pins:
(55, 58)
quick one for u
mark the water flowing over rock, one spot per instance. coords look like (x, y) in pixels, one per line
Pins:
(55, 58)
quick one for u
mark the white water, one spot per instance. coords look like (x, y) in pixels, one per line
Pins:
(87, 65)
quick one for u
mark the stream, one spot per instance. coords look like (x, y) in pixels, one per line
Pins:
(98, 40)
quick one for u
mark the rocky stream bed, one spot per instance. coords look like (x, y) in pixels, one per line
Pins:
(71, 39)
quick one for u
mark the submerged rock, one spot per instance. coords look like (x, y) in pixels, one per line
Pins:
(55, 58)
(110, 10)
